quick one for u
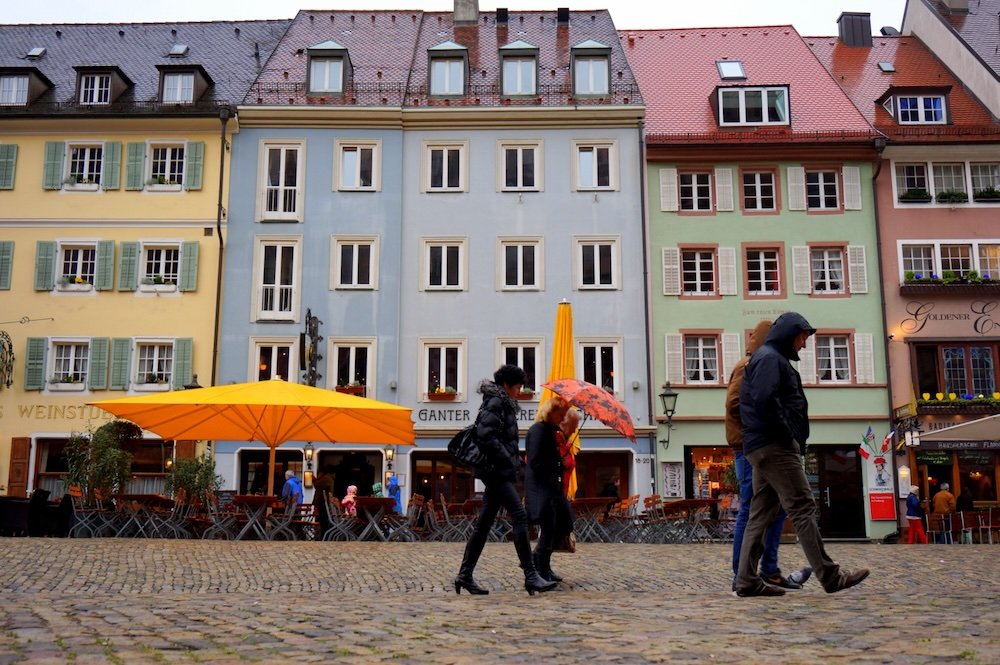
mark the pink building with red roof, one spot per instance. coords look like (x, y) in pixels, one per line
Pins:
(938, 197)
(760, 202)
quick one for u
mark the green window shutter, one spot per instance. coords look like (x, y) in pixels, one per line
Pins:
(45, 260)
(104, 278)
(111, 168)
(98, 374)
(182, 362)
(6, 262)
(52, 174)
(121, 350)
(189, 266)
(194, 158)
(8, 160)
(34, 364)
(134, 163)
(128, 264)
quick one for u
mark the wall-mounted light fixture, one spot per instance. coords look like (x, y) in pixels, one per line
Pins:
(668, 398)
(390, 455)
(309, 450)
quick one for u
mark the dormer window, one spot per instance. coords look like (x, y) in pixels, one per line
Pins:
(329, 68)
(447, 69)
(591, 69)
(520, 66)
(95, 89)
(920, 109)
(183, 84)
(13, 89)
(753, 106)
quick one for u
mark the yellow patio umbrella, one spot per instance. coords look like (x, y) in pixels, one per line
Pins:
(563, 367)
(271, 412)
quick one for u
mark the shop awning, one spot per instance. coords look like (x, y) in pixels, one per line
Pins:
(975, 434)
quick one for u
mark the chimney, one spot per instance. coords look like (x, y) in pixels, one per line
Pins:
(502, 16)
(957, 6)
(855, 29)
(466, 12)
(562, 16)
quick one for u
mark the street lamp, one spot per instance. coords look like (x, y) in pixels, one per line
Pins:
(669, 400)
(309, 451)
(390, 455)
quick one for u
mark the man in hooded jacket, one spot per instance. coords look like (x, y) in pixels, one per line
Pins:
(775, 416)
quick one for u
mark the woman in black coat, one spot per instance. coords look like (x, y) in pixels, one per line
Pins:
(497, 438)
(544, 493)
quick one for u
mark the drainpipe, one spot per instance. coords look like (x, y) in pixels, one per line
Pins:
(646, 298)
(224, 114)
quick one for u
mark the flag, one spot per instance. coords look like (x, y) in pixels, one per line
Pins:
(864, 452)
(887, 441)
(867, 443)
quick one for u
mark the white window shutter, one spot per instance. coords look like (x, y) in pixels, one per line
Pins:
(864, 357)
(724, 189)
(858, 268)
(730, 353)
(671, 271)
(796, 188)
(668, 190)
(807, 362)
(801, 272)
(727, 271)
(675, 358)
(852, 188)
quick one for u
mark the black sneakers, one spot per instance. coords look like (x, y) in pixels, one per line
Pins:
(780, 581)
(761, 590)
(846, 580)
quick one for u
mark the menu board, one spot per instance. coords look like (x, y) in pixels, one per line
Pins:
(673, 479)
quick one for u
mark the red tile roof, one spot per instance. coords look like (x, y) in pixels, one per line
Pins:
(857, 71)
(678, 77)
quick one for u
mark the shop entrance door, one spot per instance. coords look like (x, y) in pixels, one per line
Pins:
(834, 473)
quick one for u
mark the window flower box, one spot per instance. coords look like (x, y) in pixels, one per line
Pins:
(67, 384)
(952, 196)
(987, 195)
(445, 395)
(73, 283)
(157, 284)
(161, 184)
(527, 395)
(915, 196)
(358, 390)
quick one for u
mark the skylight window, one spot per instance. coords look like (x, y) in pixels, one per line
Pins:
(730, 69)
(36, 52)
(886, 66)
(178, 50)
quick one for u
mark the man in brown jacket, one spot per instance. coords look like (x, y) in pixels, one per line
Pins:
(769, 571)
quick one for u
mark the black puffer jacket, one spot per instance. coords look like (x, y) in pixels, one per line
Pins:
(544, 471)
(496, 433)
(773, 406)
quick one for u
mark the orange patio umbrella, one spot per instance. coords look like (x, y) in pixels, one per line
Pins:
(271, 412)
(563, 366)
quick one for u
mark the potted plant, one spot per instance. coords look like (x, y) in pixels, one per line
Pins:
(192, 480)
(353, 388)
(98, 463)
(987, 195)
(952, 196)
(527, 392)
(915, 196)
(439, 394)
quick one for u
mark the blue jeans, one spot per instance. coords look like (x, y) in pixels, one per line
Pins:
(772, 537)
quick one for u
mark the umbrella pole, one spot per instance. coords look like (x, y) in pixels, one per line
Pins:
(270, 472)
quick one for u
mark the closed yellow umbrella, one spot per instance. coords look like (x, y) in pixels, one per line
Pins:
(563, 367)
(271, 412)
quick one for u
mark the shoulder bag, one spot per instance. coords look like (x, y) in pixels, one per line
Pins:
(465, 448)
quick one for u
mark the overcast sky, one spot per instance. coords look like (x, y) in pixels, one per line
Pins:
(810, 17)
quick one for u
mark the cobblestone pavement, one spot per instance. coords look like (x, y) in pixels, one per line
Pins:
(138, 601)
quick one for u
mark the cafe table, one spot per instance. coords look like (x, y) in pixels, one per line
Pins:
(138, 516)
(589, 513)
(254, 508)
(374, 511)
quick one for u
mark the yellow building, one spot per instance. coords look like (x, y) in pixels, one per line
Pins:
(114, 143)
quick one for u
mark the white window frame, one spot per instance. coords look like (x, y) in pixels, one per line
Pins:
(178, 87)
(617, 378)
(326, 64)
(974, 245)
(90, 179)
(521, 242)
(702, 346)
(428, 343)
(263, 155)
(920, 110)
(352, 344)
(340, 148)
(523, 79)
(685, 283)
(758, 186)
(259, 314)
(580, 245)
(253, 362)
(832, 341)
(822, 183)
(760, 270)
(445, 86)
(463, 166)
(337, 243)
(741, 95)
(503, 145)
(689, 192)
(172, 185)
(590, 79)
(427, 244)
(89, 277)
(156, 343)
(96, 86)
(519, 344)
(991, 178)
(51, 382)
(973, 179)
(823, 264)
(13, 89)
(169, 282)
(593, 174)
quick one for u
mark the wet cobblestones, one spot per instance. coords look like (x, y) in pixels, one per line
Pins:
(164, 601)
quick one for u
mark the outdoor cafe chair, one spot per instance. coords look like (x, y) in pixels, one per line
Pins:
(342, 526)
(279, 522)
(939, 528)
(411, 525)
(89, 522)
(224, 525)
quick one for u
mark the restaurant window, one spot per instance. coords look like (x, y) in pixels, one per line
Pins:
(253, 465)
(976, 470)
(273, 360)
(361, 469)
(961, 368)
(437, 478)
